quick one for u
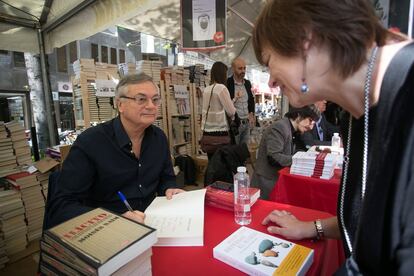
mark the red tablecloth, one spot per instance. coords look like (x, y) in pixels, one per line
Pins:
(307, 192)
(219, 224)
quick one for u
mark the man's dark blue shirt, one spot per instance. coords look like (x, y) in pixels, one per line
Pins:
(101, 162)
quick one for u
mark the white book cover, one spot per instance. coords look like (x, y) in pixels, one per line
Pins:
(180, 220)
(257, 253)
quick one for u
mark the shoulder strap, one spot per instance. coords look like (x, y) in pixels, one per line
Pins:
(208, 108)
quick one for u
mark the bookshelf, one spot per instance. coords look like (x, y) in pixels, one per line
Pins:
(179, 118)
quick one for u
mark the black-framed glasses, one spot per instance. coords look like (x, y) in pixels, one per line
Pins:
(143, 100)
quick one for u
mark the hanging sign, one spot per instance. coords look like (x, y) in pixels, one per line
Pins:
(203, 24)
(64, 86)
(105, 88)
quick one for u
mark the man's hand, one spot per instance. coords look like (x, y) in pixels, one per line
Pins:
(135, 215)
(252, 120)
(289, 226)
(170, 192)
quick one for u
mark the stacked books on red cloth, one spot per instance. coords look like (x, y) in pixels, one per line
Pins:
(314, 164)
(98, 242)
(220, 194)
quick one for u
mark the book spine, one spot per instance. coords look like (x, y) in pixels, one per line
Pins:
(51, 239)
(58, 265)
(219, 205)
(69, 260)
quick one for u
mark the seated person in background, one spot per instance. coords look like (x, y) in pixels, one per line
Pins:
(277, 148)
(321, 133)
(126, 154)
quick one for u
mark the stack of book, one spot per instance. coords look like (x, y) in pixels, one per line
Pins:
(314, 164)
(33, 200)
(20, 144)
(43, 179)
(220, 194)
(156, 71)
(150, 68)
(7, 157)
(98, 242)
(125, 69)
(106, 71)
(3, 256)
(45, 167)
(13, 228)
(100, 108)
(144, 66)
(175, 75)
(84, 66)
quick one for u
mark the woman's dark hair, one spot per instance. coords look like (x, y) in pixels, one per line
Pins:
(309, 111)
(346, 27)
(219, 73)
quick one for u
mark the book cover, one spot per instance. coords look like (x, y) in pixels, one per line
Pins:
(104, 240)
(257, 253)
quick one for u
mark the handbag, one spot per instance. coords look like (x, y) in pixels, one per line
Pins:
(210, 142)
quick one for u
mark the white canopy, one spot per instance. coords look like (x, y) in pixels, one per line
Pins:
(64, 21)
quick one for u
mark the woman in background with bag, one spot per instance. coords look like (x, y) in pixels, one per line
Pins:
(216, 104)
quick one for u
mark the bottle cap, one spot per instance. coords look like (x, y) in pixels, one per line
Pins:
(336, 134)
(241, 169)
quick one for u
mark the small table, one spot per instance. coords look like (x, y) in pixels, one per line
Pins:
(307, 192)
(219, 224)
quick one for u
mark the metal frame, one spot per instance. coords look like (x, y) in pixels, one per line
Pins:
(50, 27)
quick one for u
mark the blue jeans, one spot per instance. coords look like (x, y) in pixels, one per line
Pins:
(244, 132)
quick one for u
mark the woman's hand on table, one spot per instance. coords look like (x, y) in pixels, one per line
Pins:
(282, 222)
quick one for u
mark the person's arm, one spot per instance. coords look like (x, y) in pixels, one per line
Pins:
(250, 100)
(284, 223)
(230, 87)
(72, 187)
(275, 147)
(226, 101)
(167, 176)
(309, 139)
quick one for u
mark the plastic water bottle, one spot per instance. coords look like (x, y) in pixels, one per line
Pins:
(242, 214)
(336, 140)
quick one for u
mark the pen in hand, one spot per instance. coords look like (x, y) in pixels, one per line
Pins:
(123, 198)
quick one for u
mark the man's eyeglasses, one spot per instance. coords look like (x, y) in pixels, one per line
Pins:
(142, 100)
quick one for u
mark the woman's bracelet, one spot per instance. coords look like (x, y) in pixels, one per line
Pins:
(319, 229)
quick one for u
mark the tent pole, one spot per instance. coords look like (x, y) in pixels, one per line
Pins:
(241, 16)
(50, 114)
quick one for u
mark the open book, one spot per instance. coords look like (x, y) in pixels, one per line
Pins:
(180, 220)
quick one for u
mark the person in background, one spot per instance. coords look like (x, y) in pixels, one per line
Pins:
(333, 114)
(127, 154)
(340, 52)
(217, 104)
(241, 93)
(277, 146)
(323, 131)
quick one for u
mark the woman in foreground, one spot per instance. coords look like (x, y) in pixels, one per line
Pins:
(338, 51)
